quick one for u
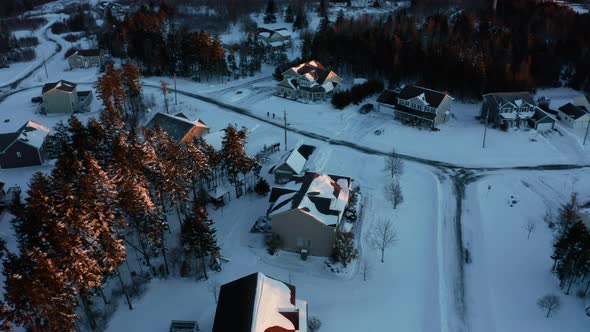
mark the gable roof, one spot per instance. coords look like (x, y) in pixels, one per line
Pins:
(254, 303)
(31, 133)
(500, 98)
(572, 111)
(176, 126)
(324, 197)
(297, 158)
(431, 97)
(60, 85)
(312, 71)
(388, 97)
(89, 52)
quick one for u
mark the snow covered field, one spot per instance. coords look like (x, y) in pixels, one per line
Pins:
(509, 272)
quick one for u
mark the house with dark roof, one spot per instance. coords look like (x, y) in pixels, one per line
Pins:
(514, 109)
(309, 81)
(292, 164)
(63, 97)
(306, 212)
(258, 303)
(416, 105)
(274, 37)
(85, 59)
(25, 147)
(178, 126)
(576, 117)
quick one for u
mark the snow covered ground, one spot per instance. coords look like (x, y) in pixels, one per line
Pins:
(509, 272)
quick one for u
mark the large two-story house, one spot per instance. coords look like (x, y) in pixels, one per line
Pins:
(85, 59)
(514, 109)
(63, 97)
(310, 81)
(416, 105)
(24, 147)
(307, 212)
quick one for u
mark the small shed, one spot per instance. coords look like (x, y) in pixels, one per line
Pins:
(184, 326)
(219, 196)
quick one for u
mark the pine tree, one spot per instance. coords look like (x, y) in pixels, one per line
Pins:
(323, 10)
(196, 164)
(572, 254)
(271, 10)
(234, 155)
(340, 18)
(289, 14)
(301, 21)
(568, 213)
(198, 235)
(306, 47)
(344, 248)
(262, 188)
(131, 78)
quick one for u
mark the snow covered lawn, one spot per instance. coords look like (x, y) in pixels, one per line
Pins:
(510, 273)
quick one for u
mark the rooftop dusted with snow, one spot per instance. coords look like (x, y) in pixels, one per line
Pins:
(321, 196)
(31, 133)
(257, 303)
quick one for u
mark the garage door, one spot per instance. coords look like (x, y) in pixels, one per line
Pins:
(544, 126)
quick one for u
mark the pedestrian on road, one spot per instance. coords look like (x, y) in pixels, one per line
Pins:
(267, 114)
(273, 115)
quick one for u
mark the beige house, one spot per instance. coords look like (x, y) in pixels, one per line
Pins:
(307, 212)
(575, 117)
(84, 59)
(178, 126)
(62, 97)
(310, 81)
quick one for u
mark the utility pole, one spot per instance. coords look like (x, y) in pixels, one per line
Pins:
(486, 129)
(45, 66)
(587, 127)
(285, 117)
(175, 100)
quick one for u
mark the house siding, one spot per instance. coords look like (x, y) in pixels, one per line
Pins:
(295, 224)
(30, 156)
(56, 101)
(580, 123)
(443, 107)
(76, 61)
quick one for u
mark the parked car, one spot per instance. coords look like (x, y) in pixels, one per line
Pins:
(366, 108)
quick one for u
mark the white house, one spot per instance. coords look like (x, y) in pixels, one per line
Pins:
(576, 117)
(309, 81)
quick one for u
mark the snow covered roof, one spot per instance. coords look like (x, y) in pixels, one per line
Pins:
(572, 111)
(430, 97)
(177, 126)
(322, 196)
(256, 303)
(31, 133)
(499, 99)
(60, 85)
(85, 53)
(297, 158)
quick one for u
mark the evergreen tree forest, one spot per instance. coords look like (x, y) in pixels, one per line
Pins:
(522, 45)
(107, 202)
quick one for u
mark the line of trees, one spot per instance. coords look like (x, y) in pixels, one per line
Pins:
(571, 249)
(357, 93)
(112, 188)
(523, 45)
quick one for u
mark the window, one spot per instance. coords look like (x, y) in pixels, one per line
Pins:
(299, 242)
(18, 154)
(308, 242)
(507, 110)
(523, 109)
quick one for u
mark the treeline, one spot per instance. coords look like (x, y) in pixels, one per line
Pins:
(357, 93)
(17, 7)
(14, 49)
(80, 20)
(150, 37)
(524, 45)
(571, 249)
(112, 187)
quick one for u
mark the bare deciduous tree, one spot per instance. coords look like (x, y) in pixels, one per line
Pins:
(383, 237)
(394, 165)
(214, 289)
(366, 269)
(529, 227)
(550, 303)
(314, 324)
(393, 192)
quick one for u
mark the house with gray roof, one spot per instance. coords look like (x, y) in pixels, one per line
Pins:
(275, 37)
(179, 126)
(85, 59)
(309, 81)
(307, 212)
(292, 164)
(416, 105)
(24, 147)
(576, 117)
(62, 97)
(514, 109)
